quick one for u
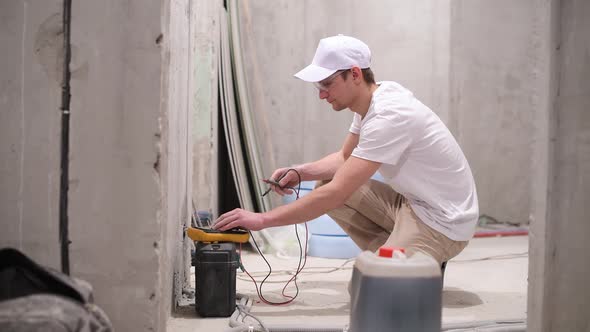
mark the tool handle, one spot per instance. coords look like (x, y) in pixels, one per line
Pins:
(271, 181)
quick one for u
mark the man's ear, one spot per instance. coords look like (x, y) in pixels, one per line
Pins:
(357, 74)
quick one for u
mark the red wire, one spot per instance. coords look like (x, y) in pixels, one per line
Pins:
(259, 291)
(294, 277)
(501, 233)
(297, 271)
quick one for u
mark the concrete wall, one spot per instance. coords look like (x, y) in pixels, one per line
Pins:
(492, 77)
(130, 152)
(559, 297)
(129, 159)
(115, 201)
(30, 94)
(481, 90)
(204, 111)
(548, 13)
(409, 42)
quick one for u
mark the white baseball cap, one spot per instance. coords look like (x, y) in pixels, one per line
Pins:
(333, 54)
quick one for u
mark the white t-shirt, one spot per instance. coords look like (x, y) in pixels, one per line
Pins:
(420, 160)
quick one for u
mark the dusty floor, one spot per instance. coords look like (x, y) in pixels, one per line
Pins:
(487, 281)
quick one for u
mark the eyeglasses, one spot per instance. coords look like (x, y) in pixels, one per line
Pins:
(324, 84)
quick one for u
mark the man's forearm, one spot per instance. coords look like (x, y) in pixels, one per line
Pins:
(351, 176)
(306, 208)
(323, 169)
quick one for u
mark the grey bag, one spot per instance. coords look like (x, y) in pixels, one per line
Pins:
(36, 298)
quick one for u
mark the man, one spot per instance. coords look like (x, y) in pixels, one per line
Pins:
(429, 201)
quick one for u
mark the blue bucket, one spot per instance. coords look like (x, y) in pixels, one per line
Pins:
(328, 239)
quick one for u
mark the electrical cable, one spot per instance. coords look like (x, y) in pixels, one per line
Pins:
(344, 267)
(244, 305)
(290, 272)
(302, 253)
(243, 308)
(487, 325)
(64, 239)
(495, 257)
(195, 222)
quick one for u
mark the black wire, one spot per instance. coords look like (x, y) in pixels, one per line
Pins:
(299, 267)
(65, 142)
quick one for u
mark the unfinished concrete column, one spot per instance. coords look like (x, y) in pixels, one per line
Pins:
(129, 155)
(559, 297)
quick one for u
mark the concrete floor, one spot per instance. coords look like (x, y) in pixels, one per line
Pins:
(487, 281)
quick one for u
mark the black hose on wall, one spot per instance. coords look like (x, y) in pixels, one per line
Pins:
(65, 142)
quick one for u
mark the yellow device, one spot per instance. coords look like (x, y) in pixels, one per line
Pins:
(201, 234)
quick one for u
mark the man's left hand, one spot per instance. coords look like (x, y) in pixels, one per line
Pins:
(239, 218)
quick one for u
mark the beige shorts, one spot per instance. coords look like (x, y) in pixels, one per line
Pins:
(376, 215)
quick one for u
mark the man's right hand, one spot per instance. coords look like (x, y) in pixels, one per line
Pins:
(286, 178)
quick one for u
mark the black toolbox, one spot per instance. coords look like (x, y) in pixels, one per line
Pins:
(215, 278)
